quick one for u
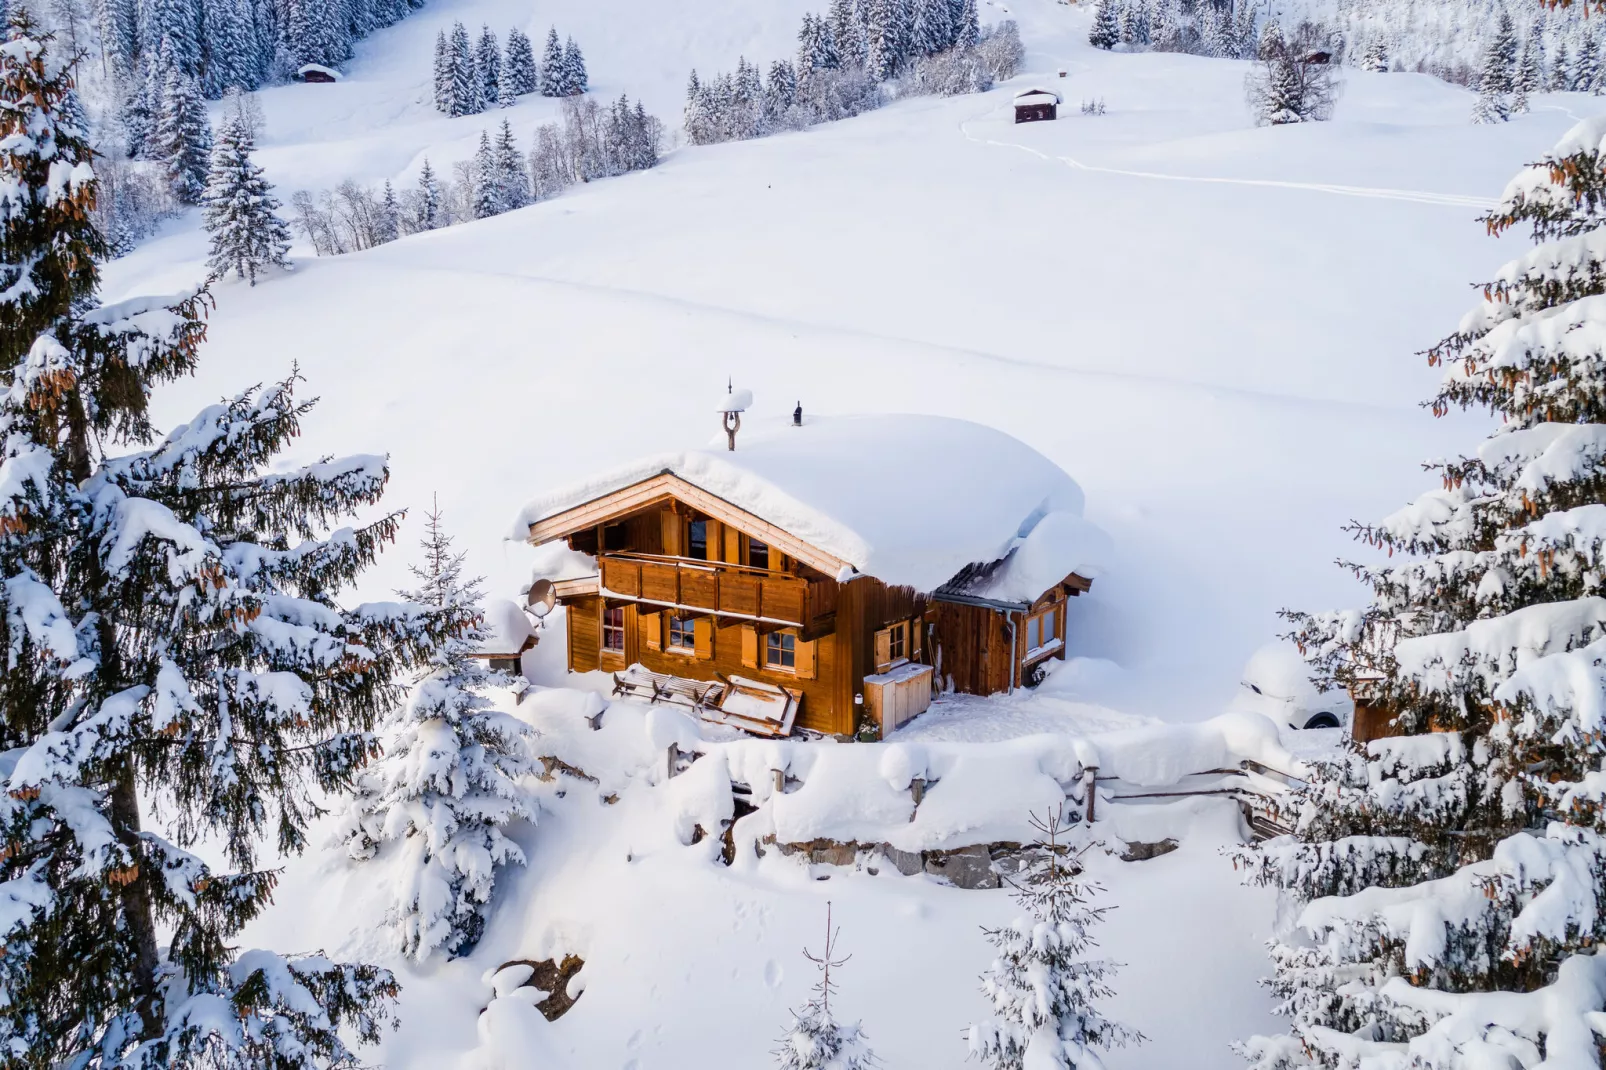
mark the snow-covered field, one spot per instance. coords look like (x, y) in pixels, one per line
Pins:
(1210, 326)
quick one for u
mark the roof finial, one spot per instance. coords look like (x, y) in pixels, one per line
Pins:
(731, 407)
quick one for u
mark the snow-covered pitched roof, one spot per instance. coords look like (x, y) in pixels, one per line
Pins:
(1036, 96)
(318, 68)
(910, 500)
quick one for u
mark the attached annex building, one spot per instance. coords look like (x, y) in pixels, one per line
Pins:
(846, 567)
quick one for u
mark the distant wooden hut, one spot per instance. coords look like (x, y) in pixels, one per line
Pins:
(1036, 105)
(1319, 59)
(316, 72)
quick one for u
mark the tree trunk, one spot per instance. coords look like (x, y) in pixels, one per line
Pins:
(124, 793)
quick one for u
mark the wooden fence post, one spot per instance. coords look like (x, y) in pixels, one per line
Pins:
(1090, 777)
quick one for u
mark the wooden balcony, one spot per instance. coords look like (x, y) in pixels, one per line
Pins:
(719, 588)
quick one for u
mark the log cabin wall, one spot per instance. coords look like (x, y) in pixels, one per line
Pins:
(973, 648)
(723, 649)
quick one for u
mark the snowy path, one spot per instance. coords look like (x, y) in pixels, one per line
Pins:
(1452, 200)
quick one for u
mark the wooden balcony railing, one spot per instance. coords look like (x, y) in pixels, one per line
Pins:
(719, 588)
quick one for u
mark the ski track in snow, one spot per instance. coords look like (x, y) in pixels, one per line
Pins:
(1451, 200)
(1181, 386)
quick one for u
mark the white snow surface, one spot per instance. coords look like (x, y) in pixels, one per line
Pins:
(1218, 342)
(910, 500)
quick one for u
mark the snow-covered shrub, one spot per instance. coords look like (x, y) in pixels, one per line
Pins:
(1042, 987)
(448, 783)
(1000, 51)
(816, 1040)
(1448, 879)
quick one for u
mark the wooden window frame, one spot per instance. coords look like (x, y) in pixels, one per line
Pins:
(684, 625)
(754, 546)
(1049, 641)
(608, 629)
(691, 527)
(786, 643)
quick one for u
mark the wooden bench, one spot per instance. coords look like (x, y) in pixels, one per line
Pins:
(636, 682)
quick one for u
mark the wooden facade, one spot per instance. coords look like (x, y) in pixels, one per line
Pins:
(692, 587)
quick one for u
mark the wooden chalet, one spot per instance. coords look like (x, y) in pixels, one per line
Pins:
(1036, 105)
(317, 72)
(831, 573)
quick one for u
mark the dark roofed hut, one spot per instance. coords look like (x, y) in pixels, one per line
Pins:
(1036, 105)
(316, 72)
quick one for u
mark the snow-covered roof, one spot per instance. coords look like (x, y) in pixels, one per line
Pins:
(910, 500)
(318, 68)
(506, 629)
(1036, 96)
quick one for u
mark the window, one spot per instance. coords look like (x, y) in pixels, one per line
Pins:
(1042, 630)
(697, 540)
(780, 651)
(758, 554)
(898, 641)
(613, 629)
(682, 633)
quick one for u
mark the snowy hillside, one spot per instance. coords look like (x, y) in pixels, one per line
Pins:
(1210, 326)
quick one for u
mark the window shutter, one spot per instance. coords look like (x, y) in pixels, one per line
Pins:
(777, 560)
(652, 626)
(805, 660)
(883, 649)
(749, 646)
(671, 532)
(703, 636)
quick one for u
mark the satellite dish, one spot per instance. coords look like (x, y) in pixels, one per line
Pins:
(543, 596)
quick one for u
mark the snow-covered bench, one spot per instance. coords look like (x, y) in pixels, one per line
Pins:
(636, 682)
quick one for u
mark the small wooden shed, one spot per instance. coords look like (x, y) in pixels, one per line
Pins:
(1036, 105)
(316, 72)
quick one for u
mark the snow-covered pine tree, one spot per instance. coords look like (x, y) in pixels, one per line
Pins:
(239, 209)
(1586, 64)
(1529, 77)
(182, 134)
(1496, 74)
(552, 66)
(518, 68)
(810, 44)
(511, 178)
(465, 96)
(448, 783)
(967, 28)
(174, 27)
(487, 191)
(488, 66)
(174, 633)
(816, 1040)
(429, 199)
(575, 79)
(1106, 31)
(883, 47)
(846, 33)
(48, 244)
(1042, 986)
(929, 32)
(443, 74)
(780, 90)
(1449, 875)
(316, 32)
(231, 55)
(387, 221)
(1560, 79)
